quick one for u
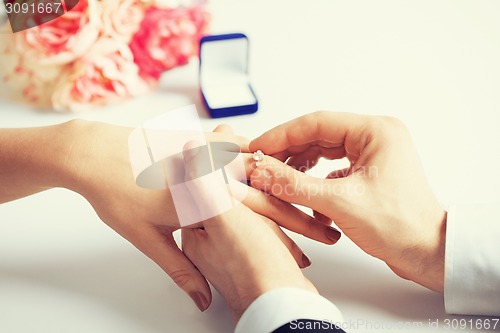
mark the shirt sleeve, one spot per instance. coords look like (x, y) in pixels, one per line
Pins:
(472, 260)
(278, 307)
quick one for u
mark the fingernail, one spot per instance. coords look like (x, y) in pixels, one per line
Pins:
(333, 234)
(200, 300)
(305, 261)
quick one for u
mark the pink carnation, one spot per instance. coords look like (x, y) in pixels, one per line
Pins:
(168, 38)
(106, 74)
(64, 39)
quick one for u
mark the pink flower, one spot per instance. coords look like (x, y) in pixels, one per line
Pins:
(106, 74)
(64, 39)
(30, 82)
(168, 38)
(174, 3)
(121, 18)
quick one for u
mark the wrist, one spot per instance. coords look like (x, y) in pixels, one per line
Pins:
(423, 263)
(33, 160)
(246, 292)
(72, 137)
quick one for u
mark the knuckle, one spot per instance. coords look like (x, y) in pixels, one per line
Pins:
(319, 114)
(313, 117)
(308, 227)
(311, 226)
(223, 126)
(376, 123)
(395, 123)
(386, 126)
(181, 277)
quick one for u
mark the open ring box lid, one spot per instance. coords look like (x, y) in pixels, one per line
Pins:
(224, 80)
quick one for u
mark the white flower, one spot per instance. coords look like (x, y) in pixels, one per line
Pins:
(30, 82)
(121, 18)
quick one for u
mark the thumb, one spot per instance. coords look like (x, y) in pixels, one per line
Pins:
(290, 185)
(196, 160)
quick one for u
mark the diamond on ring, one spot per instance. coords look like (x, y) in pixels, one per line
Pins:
(258, 157)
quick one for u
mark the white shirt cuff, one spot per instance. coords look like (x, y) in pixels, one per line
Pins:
(280, 306)
(472, 260)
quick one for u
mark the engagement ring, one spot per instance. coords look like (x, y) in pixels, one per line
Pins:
(258, 157)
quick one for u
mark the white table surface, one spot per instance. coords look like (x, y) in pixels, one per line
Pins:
(434, 64)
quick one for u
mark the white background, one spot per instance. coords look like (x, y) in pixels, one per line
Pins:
(434, 64)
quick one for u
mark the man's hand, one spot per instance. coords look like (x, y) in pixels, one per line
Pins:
(242, 253)
(382, 201)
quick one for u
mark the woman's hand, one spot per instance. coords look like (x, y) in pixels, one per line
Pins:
(97, 166)
(93, 159)
(382, 201)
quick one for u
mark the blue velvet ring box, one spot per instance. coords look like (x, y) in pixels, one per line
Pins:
(224, 80)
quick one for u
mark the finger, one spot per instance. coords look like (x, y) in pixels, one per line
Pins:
(202, 189)
(289, 217)
(161, 247)
(290, 185)
(193, 242)
(282, 156)
(300, 257)
(308, 159)
(322, 218)
(332, 175)
(249, 163)
(337, 150)
(224, 128)
(195, 156)
(329, 126)
(341, 173)
(224, 133)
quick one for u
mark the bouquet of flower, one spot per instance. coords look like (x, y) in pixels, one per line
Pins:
(101, 52)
